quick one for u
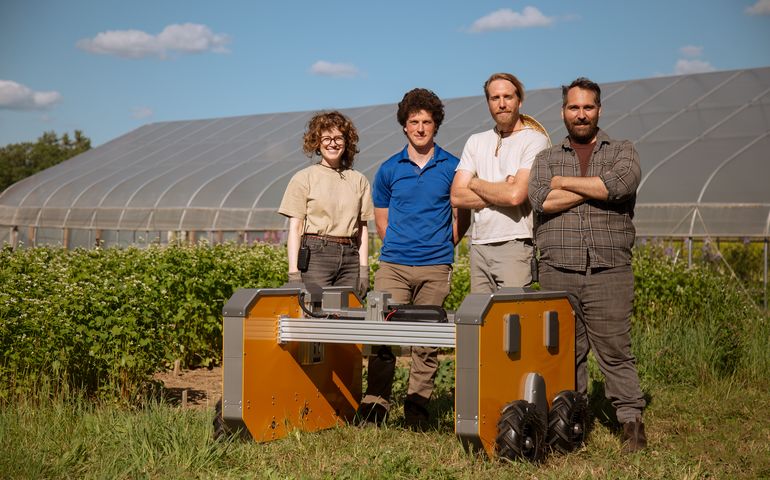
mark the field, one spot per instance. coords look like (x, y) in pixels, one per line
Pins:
(720, 430)
(86, 391)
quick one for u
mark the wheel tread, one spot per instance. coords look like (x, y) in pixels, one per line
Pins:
(569, 409)
(519, 420)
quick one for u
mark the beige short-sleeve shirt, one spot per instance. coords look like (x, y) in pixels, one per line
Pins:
(331, 202)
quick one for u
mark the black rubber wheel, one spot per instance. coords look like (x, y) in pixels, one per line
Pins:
(567, 421)
(520, 432)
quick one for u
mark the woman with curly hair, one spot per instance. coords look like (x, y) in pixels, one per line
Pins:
(329, 205)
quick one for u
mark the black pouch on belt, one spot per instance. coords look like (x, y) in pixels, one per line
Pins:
(303, 258)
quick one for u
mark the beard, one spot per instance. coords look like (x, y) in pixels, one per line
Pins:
(585, 135)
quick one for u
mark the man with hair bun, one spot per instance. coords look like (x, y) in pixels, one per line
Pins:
(492, 180)
(419, 230)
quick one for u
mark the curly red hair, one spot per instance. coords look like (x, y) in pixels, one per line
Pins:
(326, 121)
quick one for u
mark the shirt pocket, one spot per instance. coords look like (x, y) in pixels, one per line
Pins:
(564, 166)
(603, 161)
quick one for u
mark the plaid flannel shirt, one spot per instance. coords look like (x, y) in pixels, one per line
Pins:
(596, 233)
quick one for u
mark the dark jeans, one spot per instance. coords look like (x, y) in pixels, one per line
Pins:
(603, 324)
(331, 264)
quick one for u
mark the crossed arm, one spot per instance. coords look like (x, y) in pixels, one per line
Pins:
(469, 191)
(553, 193)
(567, 192)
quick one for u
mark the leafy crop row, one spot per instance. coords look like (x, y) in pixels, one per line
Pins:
(105, 320)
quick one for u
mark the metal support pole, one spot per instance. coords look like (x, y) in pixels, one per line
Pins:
(764, 278)
(689, 252)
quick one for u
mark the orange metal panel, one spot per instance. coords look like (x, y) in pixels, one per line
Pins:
(280, 393)
(502, 376)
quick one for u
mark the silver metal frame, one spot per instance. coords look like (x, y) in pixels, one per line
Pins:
(366, 332)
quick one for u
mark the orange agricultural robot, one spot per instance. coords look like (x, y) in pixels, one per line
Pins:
(293, 360)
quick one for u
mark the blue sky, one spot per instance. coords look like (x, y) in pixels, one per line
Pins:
(107, 67)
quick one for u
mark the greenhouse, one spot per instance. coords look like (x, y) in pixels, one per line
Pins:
(700, 138)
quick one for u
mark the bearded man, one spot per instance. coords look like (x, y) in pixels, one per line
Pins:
(492, 180)
(583, 193)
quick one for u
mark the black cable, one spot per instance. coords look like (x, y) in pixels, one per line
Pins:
(309, 313)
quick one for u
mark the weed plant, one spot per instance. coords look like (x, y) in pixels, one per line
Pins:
(693, 324)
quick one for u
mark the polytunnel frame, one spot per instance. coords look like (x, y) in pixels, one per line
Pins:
(657, 88)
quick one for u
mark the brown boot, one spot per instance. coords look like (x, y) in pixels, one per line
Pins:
(633, 437)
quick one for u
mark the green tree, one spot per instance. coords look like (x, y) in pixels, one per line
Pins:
(20, 160)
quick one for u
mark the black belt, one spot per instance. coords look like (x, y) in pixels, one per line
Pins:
(329, 238)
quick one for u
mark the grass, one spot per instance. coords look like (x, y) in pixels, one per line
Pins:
(703, 361)
(718, 430)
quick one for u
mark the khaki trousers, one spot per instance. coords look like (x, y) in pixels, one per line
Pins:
(416, 285)
(501, 264)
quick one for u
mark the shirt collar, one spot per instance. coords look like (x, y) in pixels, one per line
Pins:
(439, 154)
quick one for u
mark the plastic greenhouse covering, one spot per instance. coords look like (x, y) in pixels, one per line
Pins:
(703, 141)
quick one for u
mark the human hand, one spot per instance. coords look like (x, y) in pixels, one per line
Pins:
(556, 182)
(295, 277)
(363, 280)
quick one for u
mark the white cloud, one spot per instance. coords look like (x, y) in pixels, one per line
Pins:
(140, 113)
(691, 51)
(507, 19)
(184, 38)
(762, 7)
(193, 38)
(329, 69)
(684, 67)
(15, 96)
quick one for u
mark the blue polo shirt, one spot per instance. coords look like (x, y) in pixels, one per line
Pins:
(419, 212)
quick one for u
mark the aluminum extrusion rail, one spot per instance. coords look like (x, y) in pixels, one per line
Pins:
(366, 332)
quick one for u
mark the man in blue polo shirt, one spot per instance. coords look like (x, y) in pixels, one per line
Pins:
(419, 229)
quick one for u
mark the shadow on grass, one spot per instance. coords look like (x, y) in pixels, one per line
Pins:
(602, 410)
(442, 410)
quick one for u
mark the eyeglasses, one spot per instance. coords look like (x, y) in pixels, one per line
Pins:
(326, 141)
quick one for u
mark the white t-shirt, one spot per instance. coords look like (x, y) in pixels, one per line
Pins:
(500, 224)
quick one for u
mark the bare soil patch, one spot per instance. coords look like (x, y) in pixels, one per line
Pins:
(203, 387)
